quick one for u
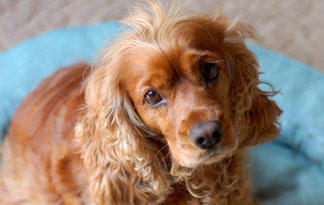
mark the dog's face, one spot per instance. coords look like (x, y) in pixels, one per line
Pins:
(186, 102)
(182, 93)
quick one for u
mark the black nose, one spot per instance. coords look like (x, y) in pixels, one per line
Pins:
(206, 134)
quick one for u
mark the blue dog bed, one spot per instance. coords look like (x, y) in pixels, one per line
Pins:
(288, 171)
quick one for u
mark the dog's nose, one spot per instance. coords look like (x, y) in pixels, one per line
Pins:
(206, 134)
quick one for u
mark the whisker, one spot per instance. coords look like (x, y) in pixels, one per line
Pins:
(162, 149)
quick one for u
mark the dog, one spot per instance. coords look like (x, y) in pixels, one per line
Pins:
(165, 116)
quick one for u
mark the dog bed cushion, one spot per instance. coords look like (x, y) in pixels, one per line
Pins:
(289, 170)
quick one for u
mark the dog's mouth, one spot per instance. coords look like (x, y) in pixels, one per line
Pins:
(194, 158)
(217, 155)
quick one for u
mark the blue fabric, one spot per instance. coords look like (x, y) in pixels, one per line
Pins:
(287, 171)
(290, 170)
(24, 66)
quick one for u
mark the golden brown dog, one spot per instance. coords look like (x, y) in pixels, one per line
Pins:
(164, 117)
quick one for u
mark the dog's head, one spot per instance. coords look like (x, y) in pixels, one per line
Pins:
(189, 80)
(193, 82)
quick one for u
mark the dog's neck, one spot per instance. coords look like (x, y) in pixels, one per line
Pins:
(220, 179)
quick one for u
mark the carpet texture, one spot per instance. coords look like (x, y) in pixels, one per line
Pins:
(291, 27)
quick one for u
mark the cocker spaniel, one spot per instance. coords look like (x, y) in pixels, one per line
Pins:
(164, 117)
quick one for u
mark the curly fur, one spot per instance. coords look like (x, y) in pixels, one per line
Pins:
(118, 154)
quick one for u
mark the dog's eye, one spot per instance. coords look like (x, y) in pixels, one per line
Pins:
(209, 71)
(153, 98)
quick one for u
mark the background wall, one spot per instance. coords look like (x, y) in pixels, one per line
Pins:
(291, 27)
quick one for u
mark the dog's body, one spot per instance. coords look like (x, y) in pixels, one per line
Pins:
(165, 118)
(41, 164)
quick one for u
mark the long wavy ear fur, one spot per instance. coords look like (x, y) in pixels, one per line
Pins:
(122, 164)
(254, 113)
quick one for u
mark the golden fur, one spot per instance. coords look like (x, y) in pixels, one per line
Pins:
(85, 135)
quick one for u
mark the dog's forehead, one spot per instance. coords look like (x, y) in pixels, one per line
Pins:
(163, 68)
(163, 61)
(156, 67)
(146, 66)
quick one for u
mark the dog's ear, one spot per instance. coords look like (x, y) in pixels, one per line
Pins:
(123, 166)
(261, 120)
(254, 114)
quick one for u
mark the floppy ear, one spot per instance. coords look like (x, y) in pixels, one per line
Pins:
(254, 113)
(122, 165)
(261, 119)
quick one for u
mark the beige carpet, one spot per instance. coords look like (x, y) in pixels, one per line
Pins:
(291, 27)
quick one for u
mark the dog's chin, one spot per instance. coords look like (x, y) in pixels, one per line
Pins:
(216, 157)
(206, 158)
